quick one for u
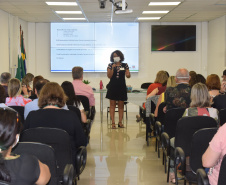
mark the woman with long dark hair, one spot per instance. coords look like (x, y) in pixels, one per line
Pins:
(17, 169)
(72, 99)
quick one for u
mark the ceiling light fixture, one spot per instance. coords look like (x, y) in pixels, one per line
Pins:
(76, 19)
(62, 3)
(163, 3)
(68, 12)
(154, 12)
(148, 18)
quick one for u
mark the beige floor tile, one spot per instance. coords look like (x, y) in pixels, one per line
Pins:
(121, 156)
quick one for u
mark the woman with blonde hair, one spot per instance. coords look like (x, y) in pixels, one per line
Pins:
(200, 103)
(160, 80)
(15, 98)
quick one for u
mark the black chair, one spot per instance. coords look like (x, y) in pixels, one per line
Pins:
(116, 108)
(76, 110)
(202, 178)
(222, 177)
(60, 141)
(169, 127)
(222, 116)
(199, 144)
(4, 183)
(20, 110)
(186, 127)
(46, 155)
(219, 102)
(145, 85)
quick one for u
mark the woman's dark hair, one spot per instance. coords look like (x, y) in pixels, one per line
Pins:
(2, 94)
(119, 53)
(10, 126)
(70, 93)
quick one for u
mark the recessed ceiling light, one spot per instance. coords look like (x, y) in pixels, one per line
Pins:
(69, 12)
(163, 3)
(62, 3)
(154, 12)
(77, 19)
(148, 18)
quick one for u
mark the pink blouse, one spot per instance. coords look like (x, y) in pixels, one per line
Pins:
(17, 101)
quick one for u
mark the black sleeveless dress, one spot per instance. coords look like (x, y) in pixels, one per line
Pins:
(117, 85)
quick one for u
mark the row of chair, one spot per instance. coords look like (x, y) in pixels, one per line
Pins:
(182, 129)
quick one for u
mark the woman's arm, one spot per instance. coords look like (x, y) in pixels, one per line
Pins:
(83, 116)
(128, 73)
(153, 93)
(110, 71)
(44, 174)
(210, 158)
(157, 106)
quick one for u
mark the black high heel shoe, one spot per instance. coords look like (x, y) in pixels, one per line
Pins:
(113, 126)
(120, 125)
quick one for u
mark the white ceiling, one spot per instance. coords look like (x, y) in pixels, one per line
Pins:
(187, 11)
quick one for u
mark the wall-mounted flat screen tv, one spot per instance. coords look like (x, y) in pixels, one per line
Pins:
(173, 38)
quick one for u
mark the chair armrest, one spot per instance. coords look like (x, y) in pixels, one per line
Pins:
(68, 176)
(165, 143)
(179, 158)
(81, 157)
(158, 129)
(202, 177)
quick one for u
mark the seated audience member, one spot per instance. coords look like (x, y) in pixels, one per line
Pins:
(201, 103)
(51, 100)
(72, 99)
(81, 88)
(18, 169)
(214, 154)
(26, 89)
(179, 96)
(214, 85)
(219, 101)
(160, 80)
(224, 75)
(5, 77)
(34, 104)
(199, 106)
(200, 78)
(15, 98)
(36, 79)
(171, 82)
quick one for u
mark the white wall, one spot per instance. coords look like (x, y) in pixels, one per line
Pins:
(150, 62)
(217, 46)
(4, 42)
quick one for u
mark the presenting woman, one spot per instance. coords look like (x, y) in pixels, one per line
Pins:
(117, 92)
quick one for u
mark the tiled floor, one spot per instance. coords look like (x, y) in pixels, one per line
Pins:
(121, 156)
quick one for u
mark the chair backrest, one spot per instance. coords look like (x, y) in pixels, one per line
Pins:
(4, 183)
(219, 102)
(222, 116)
(199, 144)
(187, 126)
(56, 138)
(85, 102)
(76, 110)
(145, 85)
(222, 176)
(161, 114)
(171, 118)
(44, 153)
(20, 110)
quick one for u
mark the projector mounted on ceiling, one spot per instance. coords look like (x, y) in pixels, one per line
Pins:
(121, 7)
